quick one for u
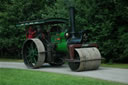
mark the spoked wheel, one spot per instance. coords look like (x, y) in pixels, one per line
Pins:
(89, 59)
(33, 53)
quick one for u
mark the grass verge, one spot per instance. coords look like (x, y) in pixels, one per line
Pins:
(10, 60)
(28, 77)
(115, 65)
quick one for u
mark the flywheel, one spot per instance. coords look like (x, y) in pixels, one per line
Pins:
(89, 59)
(33, 53)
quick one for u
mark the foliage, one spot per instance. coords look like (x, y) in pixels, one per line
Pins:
(106, 19)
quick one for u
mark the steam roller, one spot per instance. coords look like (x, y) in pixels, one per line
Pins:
(55, 41)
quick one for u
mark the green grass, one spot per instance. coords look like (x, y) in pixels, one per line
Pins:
(29, 77)
(10, 60)
(116, 65)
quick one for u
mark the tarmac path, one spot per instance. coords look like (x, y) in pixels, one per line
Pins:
(104, 73)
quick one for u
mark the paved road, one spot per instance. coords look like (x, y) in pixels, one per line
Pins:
(113, 74)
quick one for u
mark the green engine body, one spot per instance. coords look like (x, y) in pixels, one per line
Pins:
(60, 41)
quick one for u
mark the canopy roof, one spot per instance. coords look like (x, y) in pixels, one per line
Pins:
(43, 21)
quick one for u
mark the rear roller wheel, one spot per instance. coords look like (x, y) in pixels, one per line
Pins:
(90, 59)
(33, 53)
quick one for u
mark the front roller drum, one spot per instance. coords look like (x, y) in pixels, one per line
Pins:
(33, 53)
(89, 59)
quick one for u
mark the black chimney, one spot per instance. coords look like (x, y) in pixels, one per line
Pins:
(73, 39)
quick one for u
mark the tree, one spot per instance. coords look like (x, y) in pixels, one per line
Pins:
(106, 19)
